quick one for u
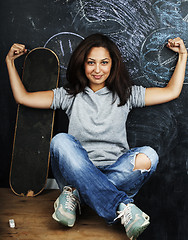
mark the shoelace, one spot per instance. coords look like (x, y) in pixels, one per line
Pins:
(125, 215)
(72, 201)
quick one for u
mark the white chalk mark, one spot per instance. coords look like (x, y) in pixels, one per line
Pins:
(186, 18)
(61, 47)
(70, 46)
(32, 22)
(167, 61)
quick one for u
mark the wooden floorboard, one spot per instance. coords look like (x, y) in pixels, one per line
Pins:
(33, 220)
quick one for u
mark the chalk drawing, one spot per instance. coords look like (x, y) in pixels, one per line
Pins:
(128, 18)
(140, 32)
(184, 10)
(63, 44)
(157, 62)
(139, 28)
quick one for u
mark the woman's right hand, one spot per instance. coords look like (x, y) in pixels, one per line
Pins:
(16, 51)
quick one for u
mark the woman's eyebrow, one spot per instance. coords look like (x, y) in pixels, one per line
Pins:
(106, 58)
(91, 59)
(101, 59)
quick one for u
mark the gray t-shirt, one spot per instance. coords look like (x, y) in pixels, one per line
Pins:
(97, 122)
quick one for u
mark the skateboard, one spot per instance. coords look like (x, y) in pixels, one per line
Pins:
(34, 127)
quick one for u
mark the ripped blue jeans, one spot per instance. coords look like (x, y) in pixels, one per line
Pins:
(104, 188)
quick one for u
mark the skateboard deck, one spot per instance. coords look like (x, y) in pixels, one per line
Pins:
(34, 127)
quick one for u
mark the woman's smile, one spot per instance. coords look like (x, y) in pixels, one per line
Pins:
(97, 76)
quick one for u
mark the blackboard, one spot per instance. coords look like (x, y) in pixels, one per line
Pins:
(141, 30)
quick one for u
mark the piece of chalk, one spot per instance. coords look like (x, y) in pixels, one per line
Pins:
(12, 223)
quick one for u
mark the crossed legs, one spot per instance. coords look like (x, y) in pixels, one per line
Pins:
(105, 188)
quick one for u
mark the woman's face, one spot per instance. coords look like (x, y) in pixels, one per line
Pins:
(97, 67)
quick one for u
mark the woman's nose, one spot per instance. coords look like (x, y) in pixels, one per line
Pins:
(97, 68)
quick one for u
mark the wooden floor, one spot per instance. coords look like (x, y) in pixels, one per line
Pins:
(33, 220)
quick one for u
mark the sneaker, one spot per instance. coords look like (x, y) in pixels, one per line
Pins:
(134, 220)
(65, 207)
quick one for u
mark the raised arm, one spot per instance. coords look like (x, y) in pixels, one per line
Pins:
(173, 89)
(41, 99)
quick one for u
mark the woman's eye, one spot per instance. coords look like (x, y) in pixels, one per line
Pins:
(105, 62)
(90, 62)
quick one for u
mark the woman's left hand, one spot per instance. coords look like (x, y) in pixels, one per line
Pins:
(177, 45)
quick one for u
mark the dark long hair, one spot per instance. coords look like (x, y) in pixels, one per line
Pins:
(118, 81)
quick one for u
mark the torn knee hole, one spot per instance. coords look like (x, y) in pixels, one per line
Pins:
(142, 162)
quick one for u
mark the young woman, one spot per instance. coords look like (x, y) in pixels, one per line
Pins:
(93, 163)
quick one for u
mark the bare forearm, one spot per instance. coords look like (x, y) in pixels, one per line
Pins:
(18, 88)
(176, 82)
